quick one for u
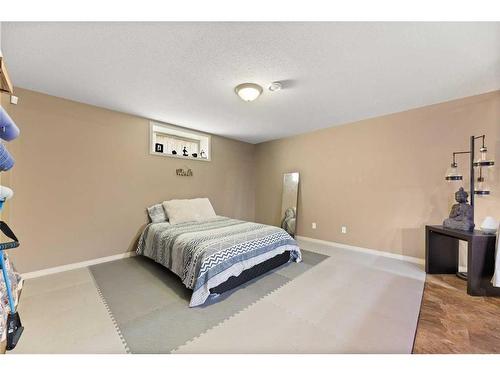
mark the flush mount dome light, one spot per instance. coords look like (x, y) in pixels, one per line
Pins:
(248, 91)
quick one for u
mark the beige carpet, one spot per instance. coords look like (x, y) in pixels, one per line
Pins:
(349, 303)
(63, 313)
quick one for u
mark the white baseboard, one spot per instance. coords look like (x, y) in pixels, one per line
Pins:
(91, 262)
(73, 266)
(361, 249)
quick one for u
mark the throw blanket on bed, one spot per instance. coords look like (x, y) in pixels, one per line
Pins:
(205, 254)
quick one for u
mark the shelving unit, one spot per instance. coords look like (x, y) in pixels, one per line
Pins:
(196, 142)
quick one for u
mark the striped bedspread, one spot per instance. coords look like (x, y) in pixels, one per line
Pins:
(205, 254)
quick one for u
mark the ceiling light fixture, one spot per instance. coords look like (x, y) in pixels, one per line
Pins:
(248, 91)
(275, 86)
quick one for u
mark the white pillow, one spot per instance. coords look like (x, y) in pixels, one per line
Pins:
(184, 210)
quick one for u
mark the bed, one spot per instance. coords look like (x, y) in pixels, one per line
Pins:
(214, 255)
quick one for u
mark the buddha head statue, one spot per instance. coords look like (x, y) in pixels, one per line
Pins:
(461, 195)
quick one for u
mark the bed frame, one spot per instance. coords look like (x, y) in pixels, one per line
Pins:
(252, 273)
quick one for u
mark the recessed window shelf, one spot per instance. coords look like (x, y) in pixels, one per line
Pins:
(176, 142)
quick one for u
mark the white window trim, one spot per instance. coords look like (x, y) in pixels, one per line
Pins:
(177, 131)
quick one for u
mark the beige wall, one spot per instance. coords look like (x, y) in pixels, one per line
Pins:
(83, 178)
(383, 178)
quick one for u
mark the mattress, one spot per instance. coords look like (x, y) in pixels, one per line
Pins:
(207, 253)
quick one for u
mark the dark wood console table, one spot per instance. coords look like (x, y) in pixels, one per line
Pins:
(441, 256)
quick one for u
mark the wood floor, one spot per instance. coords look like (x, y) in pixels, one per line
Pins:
(451, 321)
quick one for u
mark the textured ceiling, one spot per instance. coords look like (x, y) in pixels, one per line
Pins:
(184, 73)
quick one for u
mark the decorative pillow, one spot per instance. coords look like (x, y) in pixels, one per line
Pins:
(185, 210)
(157, 213)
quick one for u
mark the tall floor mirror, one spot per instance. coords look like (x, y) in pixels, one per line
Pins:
(289, 202)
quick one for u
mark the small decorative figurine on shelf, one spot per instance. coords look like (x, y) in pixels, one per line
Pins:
(194, 155)
(461, 213)
(159, 147)
(203, 154)
(174, 152)
(185, 151)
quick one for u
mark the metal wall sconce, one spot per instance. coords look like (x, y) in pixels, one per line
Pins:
(482, 164)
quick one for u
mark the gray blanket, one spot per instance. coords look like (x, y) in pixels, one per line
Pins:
(205, 254)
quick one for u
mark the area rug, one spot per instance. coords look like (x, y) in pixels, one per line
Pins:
(150, 304)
